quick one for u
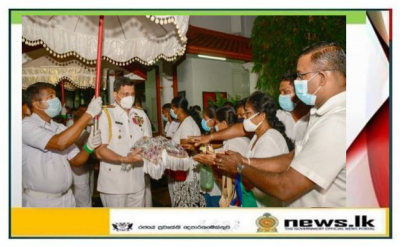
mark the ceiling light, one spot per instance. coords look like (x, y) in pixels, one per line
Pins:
(212, 57)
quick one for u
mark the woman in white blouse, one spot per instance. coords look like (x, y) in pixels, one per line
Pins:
(186, 193)
(224, 117)
(269, 139)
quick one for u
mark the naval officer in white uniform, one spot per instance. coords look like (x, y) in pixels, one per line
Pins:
(123, 126)
(48, 149)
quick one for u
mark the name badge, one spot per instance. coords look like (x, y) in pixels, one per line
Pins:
(116, 122)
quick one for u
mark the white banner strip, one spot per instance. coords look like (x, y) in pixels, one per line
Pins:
(267, 222)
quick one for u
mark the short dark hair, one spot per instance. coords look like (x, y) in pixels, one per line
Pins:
(33, 91)
(227, 114)
(180, 102)
(166, 106)
(210, 111)
(289, 76)
(327, 55)
(229, 104)
(197, 107)
(122, 81)
(241, 103)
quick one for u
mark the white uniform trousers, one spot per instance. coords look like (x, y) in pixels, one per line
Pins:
(81, 188)
(48, 200)
(83, 195)
(131, 200)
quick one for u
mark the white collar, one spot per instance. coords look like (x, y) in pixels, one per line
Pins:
(333, 102)
(35, 117)
(51, 126)
(120, 110)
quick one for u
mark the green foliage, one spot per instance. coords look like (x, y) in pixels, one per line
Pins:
(220, 101)
(277, 40)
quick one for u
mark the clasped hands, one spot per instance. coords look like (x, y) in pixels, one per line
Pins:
(132, 157)
(226, 161)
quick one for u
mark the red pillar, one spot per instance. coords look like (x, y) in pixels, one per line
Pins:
(98, 64)
(99, 53)
(158, 93)
(175, 79)
(62, 93)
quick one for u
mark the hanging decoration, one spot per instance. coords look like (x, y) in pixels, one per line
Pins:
(73, 72)
(127, 39)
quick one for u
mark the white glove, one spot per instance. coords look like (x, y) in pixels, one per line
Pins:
(126, 167)
(94, 139)
(64, 110)
(95, 106)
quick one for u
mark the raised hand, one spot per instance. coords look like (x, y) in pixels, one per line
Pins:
(198, 140)
(95, 106)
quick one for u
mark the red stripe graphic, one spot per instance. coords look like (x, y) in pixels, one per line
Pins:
(374, 139)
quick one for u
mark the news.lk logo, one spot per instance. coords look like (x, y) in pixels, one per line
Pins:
(360, 222)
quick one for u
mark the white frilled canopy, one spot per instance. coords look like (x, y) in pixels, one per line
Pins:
(73, 72)
(126, 39)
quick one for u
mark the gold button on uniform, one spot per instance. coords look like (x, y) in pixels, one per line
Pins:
(131, 136)
(109, 169)
(119, 137)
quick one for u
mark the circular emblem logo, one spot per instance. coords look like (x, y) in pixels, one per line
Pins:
(267, 223)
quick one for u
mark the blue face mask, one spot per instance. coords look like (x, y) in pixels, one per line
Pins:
(54, 107)
(173, 115)
(301, 87)
(204, 125)
(164, 118)
(286, 103)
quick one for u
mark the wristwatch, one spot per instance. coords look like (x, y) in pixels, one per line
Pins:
(239, 168)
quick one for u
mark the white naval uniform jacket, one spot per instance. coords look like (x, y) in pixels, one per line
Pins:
(125, 132)
(46, 171)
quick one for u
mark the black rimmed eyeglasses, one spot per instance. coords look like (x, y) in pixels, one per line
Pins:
(300, 75)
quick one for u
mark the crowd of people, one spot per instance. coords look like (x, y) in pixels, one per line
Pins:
(258, 152)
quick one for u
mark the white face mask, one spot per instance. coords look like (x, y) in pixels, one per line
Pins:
(249, 126)
(127, 102)
(301, 88)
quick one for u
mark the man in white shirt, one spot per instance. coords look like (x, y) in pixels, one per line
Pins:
(294, 114)
(314, 175)
(171, 125)
(48, 149)
(121, 179)
(82, 177)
